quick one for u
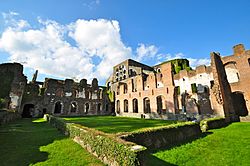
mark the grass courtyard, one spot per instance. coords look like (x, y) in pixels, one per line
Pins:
(35, 142)
(27, 142)
(225, 146)
(112, 124)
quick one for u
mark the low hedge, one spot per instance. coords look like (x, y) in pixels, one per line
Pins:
(107, 147)
(7, 116)
(212, 123)
(159, 137)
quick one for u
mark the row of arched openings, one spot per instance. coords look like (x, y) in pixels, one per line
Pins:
(146, 105)
(58, 109)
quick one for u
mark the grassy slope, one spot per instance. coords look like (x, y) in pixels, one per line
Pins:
(111, 124)
(37, 143)
(226, 146)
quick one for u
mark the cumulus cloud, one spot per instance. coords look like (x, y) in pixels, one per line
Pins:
(48, 50)
(81, 49)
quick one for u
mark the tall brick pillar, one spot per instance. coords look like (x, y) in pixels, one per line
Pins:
(221, 90)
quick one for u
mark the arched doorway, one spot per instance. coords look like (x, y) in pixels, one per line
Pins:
(135, 105)
(107, 107)
(159, 104)
(73, 107)
(118, 106)
(58, 108)
(125, 105)
(99, 107)
(239, 104)
(146, 105)
(28, 110)
(86, 108)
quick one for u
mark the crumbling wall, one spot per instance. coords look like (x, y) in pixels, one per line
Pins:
(12, 84)
(222, 102)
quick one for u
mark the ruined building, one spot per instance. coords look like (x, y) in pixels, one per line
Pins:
(168, 90)
(12, 85)
(52, 96)
(173, 88)
(65, 98)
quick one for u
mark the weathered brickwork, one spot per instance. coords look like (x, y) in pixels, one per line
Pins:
(66, 97)
(12, 85)
(141, 90)
(168, 90)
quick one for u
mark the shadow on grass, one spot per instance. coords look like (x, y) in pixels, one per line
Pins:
(153, 160)
(21, 142)
(180, 144)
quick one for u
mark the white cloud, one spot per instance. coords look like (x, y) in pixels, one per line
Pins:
(48, 50)
(10, 20)
(144, 51)
(81, 49)
(193, 62)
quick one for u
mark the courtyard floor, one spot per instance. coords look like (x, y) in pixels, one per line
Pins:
(225, 146)
(35, 142)
(112, 124)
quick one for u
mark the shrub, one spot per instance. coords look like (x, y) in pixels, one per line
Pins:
(108, 148)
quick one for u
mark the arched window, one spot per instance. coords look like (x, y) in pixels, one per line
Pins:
(125, 88)
(125, 105)
(159, 104)
(58, 107)
(28, 110)
(118, 109)
(249, 61)
(232, 72)
(146, 105)
(135, 105)
(86, 108)
(99, 107)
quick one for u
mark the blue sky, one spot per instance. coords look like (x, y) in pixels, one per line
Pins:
(85, 38)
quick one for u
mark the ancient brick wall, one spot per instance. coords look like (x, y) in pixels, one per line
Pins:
(221, 96)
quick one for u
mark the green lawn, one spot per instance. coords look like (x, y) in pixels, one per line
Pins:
(112, 124)
(225, 146)
(37, 143)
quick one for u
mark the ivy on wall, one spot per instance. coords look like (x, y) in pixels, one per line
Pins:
(180, 64)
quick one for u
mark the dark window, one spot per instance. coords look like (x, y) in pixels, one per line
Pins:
(135, 105)
(118, 106)
(211, 84)
(125, 90)
(146, 104)
(86, 108)
(58, 108)
(125, 105)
